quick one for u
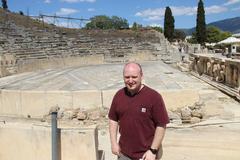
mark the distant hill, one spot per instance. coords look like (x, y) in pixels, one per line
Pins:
(231, 25)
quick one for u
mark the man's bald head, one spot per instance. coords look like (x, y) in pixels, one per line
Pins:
(132, 75)
(133, 65)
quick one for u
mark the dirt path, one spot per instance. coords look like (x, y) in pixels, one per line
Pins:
(218, 142)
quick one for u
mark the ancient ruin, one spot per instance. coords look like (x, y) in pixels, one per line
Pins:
(77, 72)
(224, 71)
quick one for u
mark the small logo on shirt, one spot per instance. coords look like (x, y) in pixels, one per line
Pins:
(143, 110)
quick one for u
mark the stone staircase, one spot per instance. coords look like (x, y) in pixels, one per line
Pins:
(27, 44)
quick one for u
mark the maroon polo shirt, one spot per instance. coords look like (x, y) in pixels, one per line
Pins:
(138, 116)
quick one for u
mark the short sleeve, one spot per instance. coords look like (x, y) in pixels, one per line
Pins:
(159, 112)
(112, 112)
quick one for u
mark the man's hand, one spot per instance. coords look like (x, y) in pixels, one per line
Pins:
(149, 155)
(116, 149)
(113, 129)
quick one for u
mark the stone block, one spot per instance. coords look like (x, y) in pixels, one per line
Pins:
(11, 102)
(107, 97)
(34, 103)
(87, 99)
(79, 144)
(179, 98)
(28, 141)
(20, 142)
(64, 99)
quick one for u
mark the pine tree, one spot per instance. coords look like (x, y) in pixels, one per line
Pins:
(201, 25)
(134, 26)
(168, 24)
(4, 4)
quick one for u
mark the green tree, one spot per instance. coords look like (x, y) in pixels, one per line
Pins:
(4, 4)
(214, 34)
(225, 35)
(119, 23)
(201, 24)
(136, 26)
(159, 29)
(105, 22)
(178, 34)
(100, 22)
(21, 13)
(193, 38)
(168, 24)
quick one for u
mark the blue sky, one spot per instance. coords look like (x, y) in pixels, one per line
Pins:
(145, 12)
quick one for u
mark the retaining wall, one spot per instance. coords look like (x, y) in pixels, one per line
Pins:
(28, 141)
(38, 103)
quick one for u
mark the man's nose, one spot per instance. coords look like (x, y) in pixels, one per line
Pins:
(130, 80)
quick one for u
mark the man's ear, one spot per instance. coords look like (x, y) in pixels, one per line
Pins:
(141, 76)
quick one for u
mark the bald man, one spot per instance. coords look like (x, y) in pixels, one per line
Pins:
(140, 114)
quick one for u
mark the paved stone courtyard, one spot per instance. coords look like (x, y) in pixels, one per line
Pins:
(100, 77)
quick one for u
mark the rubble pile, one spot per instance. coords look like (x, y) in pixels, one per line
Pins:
(189, 114)
(99, 116)
(83, 117)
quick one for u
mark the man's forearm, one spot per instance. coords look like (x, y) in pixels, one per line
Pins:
(158, 137)
(113, 128)
(156, 143)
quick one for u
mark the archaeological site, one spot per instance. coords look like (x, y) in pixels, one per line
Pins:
(71, 75)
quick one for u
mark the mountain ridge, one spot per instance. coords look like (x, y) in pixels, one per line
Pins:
(227, 25)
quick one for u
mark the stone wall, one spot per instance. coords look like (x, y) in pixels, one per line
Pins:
(36, 104)
(23, 140)
(31, 47)
(219, 69)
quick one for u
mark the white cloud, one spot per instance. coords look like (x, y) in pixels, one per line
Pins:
(215, 9)
(151, 14)
(230, 2)
(90, 9)
(155, 25)
(154, 18)
(158, 14)
(76, 1)
(63, 23)
(236, 9)
(48, 20)
(179, 11)
(66, 11)
(69, 25)
(189, 11)
(47, 1)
